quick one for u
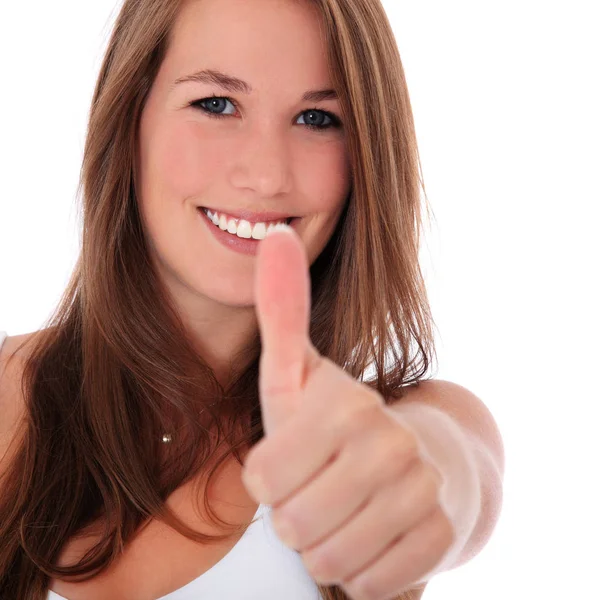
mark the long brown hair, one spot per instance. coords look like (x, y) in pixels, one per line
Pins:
(115, 366)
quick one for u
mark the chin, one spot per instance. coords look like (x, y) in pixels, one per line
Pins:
(231, 294)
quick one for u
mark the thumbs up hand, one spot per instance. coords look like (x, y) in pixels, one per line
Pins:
(349, 488)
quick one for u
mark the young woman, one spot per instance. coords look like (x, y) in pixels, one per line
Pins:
(189, 350)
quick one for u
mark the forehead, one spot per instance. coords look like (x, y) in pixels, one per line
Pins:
(257, 40)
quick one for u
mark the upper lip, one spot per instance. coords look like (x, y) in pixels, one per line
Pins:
(251, 216)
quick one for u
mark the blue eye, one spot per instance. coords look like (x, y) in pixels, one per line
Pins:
(319, 120)
(215, 102)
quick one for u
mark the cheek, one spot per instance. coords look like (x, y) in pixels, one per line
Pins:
(324, 195)
(186, 161)
(327, 181)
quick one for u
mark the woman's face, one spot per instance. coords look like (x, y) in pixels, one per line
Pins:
(261, 155)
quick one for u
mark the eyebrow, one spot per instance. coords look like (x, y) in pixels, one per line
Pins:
(233, 84)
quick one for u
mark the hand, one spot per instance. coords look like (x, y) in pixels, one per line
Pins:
(349, 487)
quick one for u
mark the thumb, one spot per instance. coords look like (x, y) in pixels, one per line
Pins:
(282, 296)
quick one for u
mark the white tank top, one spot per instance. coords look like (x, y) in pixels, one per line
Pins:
(258, 567)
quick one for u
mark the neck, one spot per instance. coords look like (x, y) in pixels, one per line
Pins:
(223, 338)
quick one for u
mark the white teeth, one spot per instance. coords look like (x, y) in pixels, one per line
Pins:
(278, 226)
(259, 231)
(243, 229)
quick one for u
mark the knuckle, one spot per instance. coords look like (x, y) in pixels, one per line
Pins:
(352, 421)
(391, 460)
(324, 565)
(355, 420)
(402, 450)
(394, 457)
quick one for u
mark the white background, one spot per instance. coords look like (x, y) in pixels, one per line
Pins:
(505, 97)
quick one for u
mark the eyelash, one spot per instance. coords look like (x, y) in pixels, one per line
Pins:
(335, 121)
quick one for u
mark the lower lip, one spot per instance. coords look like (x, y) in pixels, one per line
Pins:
(232, 241)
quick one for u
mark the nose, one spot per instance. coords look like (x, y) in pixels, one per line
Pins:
(262, 162)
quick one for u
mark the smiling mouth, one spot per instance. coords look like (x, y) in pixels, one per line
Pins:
(242, 228)
(267, 221)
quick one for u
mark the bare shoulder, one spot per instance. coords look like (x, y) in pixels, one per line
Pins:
(12, 405)
(10, 375)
